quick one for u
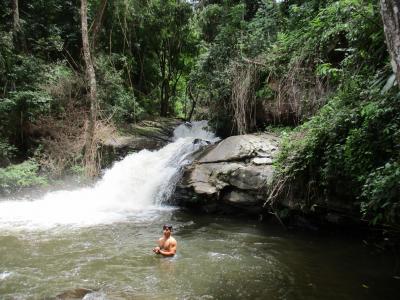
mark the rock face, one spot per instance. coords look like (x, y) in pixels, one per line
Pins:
(150, 135)
(234, 174)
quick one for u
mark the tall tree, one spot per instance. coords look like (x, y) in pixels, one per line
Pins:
(19, 39)
(174, 46)
(90, 146)
(16, 21)
(390, 10)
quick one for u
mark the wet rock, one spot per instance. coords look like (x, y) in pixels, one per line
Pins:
(188, 124)
(78, 293)
(148, 134)
(200, 141)
(235, 173)
(239, 147)
(132, 143)
(240, 198)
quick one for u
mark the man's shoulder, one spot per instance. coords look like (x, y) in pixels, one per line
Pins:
(172, 240)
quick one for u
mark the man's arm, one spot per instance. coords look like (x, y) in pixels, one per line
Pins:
(171, 251)
(160, 244)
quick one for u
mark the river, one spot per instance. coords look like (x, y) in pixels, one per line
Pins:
(101, 237)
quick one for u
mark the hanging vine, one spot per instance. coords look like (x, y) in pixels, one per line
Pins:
(243, 102)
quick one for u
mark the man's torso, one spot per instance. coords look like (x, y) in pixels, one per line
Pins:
(165, 244)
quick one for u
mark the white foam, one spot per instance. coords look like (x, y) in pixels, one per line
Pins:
(4, 275)
(197, 129)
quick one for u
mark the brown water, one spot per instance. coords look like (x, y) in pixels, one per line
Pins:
(218, 258)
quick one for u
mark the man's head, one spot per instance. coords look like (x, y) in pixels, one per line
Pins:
(167, 226)
(167, 229)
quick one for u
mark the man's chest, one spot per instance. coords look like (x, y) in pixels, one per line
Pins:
(166, 244)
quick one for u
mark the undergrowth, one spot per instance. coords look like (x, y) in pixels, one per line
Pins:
(21, 175)
(350, 151)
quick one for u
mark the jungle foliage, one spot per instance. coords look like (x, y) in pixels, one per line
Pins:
(349, 151)
(142, 52)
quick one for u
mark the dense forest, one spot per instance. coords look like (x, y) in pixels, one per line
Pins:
(321, 73)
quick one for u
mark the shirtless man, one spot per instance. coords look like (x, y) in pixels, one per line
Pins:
(166, 244)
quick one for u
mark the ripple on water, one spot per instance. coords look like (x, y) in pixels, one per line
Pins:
(215, 256)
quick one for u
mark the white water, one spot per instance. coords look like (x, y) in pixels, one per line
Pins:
(132, 187)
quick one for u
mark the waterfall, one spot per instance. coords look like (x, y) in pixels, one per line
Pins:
(138, 183)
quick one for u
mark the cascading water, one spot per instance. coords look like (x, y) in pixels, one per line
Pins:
(138, 183)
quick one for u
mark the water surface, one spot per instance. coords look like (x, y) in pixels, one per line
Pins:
(218, 258)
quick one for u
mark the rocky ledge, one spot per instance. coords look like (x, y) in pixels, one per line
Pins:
(233, 175)
(148, 134)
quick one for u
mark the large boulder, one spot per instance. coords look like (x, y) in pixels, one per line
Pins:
(241, 147)
(235, 173)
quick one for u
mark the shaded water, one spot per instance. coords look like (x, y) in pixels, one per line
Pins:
(101, 238)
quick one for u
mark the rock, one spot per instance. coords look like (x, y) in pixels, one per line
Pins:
(240, 198)
(208, 178)
(262, 161)
(239, 147)
(134, 143)
(235, 173)
(77, 293)
(200, 141)
(151, 135)
(251, 177)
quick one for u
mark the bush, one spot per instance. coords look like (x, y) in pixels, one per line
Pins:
(380, 194)
(31, 104)
(7, 152)
(21, 175)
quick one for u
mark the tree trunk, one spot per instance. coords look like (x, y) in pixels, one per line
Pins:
(164, 93)
(194, 102)
(391, 24)
(19, 39)
(97, 22)
(164, 98)
(90, 143)
(16, 22)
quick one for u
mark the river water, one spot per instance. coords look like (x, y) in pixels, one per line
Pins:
(101, 237)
